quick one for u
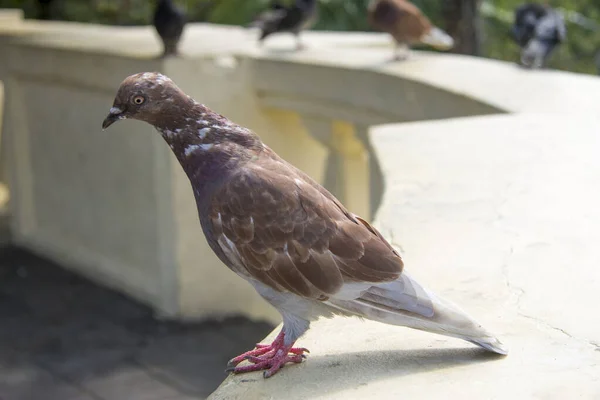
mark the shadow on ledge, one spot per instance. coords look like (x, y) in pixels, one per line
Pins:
(325, 375)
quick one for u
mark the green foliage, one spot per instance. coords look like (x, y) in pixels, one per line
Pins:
(342, 15)
(576, 55)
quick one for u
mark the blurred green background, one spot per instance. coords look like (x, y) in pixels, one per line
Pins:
(578, 55)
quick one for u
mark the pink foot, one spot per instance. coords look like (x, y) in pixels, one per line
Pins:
(270, 357)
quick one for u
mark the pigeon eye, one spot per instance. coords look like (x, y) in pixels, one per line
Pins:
(139, 100)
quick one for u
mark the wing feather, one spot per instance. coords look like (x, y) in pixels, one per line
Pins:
(286, 231)
(400, 18)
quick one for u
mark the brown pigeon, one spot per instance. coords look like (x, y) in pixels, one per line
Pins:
(291, 239)
(407, 25)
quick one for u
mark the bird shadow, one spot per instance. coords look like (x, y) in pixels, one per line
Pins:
(354, 369)
(395, 60)
(520, 66)
(283, 51)
(388, 62)
(524, 67)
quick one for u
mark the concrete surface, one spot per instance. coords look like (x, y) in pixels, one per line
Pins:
(9, 16)
(499, 214)
(64, 338)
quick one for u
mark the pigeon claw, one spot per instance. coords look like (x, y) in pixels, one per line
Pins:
(272, 363)
(299, 351)
(270, 358)
(252, 353)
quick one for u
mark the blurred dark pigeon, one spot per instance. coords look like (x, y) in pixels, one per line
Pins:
(169, 22)
(537, 29)
(407, 25)
(279, 19)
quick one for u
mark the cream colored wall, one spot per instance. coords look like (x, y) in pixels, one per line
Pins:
(11, 21)
(116, 207)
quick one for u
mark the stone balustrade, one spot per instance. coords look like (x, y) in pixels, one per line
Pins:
(117, 207)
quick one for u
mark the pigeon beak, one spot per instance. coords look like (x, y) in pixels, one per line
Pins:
(113, 116)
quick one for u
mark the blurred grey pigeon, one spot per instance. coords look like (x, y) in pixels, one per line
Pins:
(293, 19)
(281, 231)
(407, 25)
(169, 22)
(538, 29)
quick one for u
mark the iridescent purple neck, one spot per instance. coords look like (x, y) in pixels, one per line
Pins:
(207, 144)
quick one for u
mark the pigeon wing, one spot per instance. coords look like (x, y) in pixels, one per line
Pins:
(274, 224)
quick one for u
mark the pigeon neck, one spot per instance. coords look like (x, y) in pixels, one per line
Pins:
(207, 145)
(195, 124)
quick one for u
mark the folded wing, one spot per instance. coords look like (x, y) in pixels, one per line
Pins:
(289, 233)
(279, 227)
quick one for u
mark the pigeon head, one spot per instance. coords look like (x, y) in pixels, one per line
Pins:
(148, 96)
(202, 140)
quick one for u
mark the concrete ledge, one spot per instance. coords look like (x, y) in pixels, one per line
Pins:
(496, 213)
(11, 16)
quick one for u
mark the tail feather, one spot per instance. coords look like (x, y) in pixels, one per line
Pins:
(406, 303)
(438, 39)
(535, 53)
(492, 344)
(257, 23)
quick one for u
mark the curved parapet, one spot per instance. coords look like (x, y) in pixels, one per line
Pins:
(116, 206)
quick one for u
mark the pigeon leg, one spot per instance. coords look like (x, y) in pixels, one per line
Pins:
(270, 357)
(401, 52)
(299, 44)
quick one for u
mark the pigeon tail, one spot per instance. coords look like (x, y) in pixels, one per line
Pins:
(536, 52)
(257, 23)
(438, 39)
(405, 302)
